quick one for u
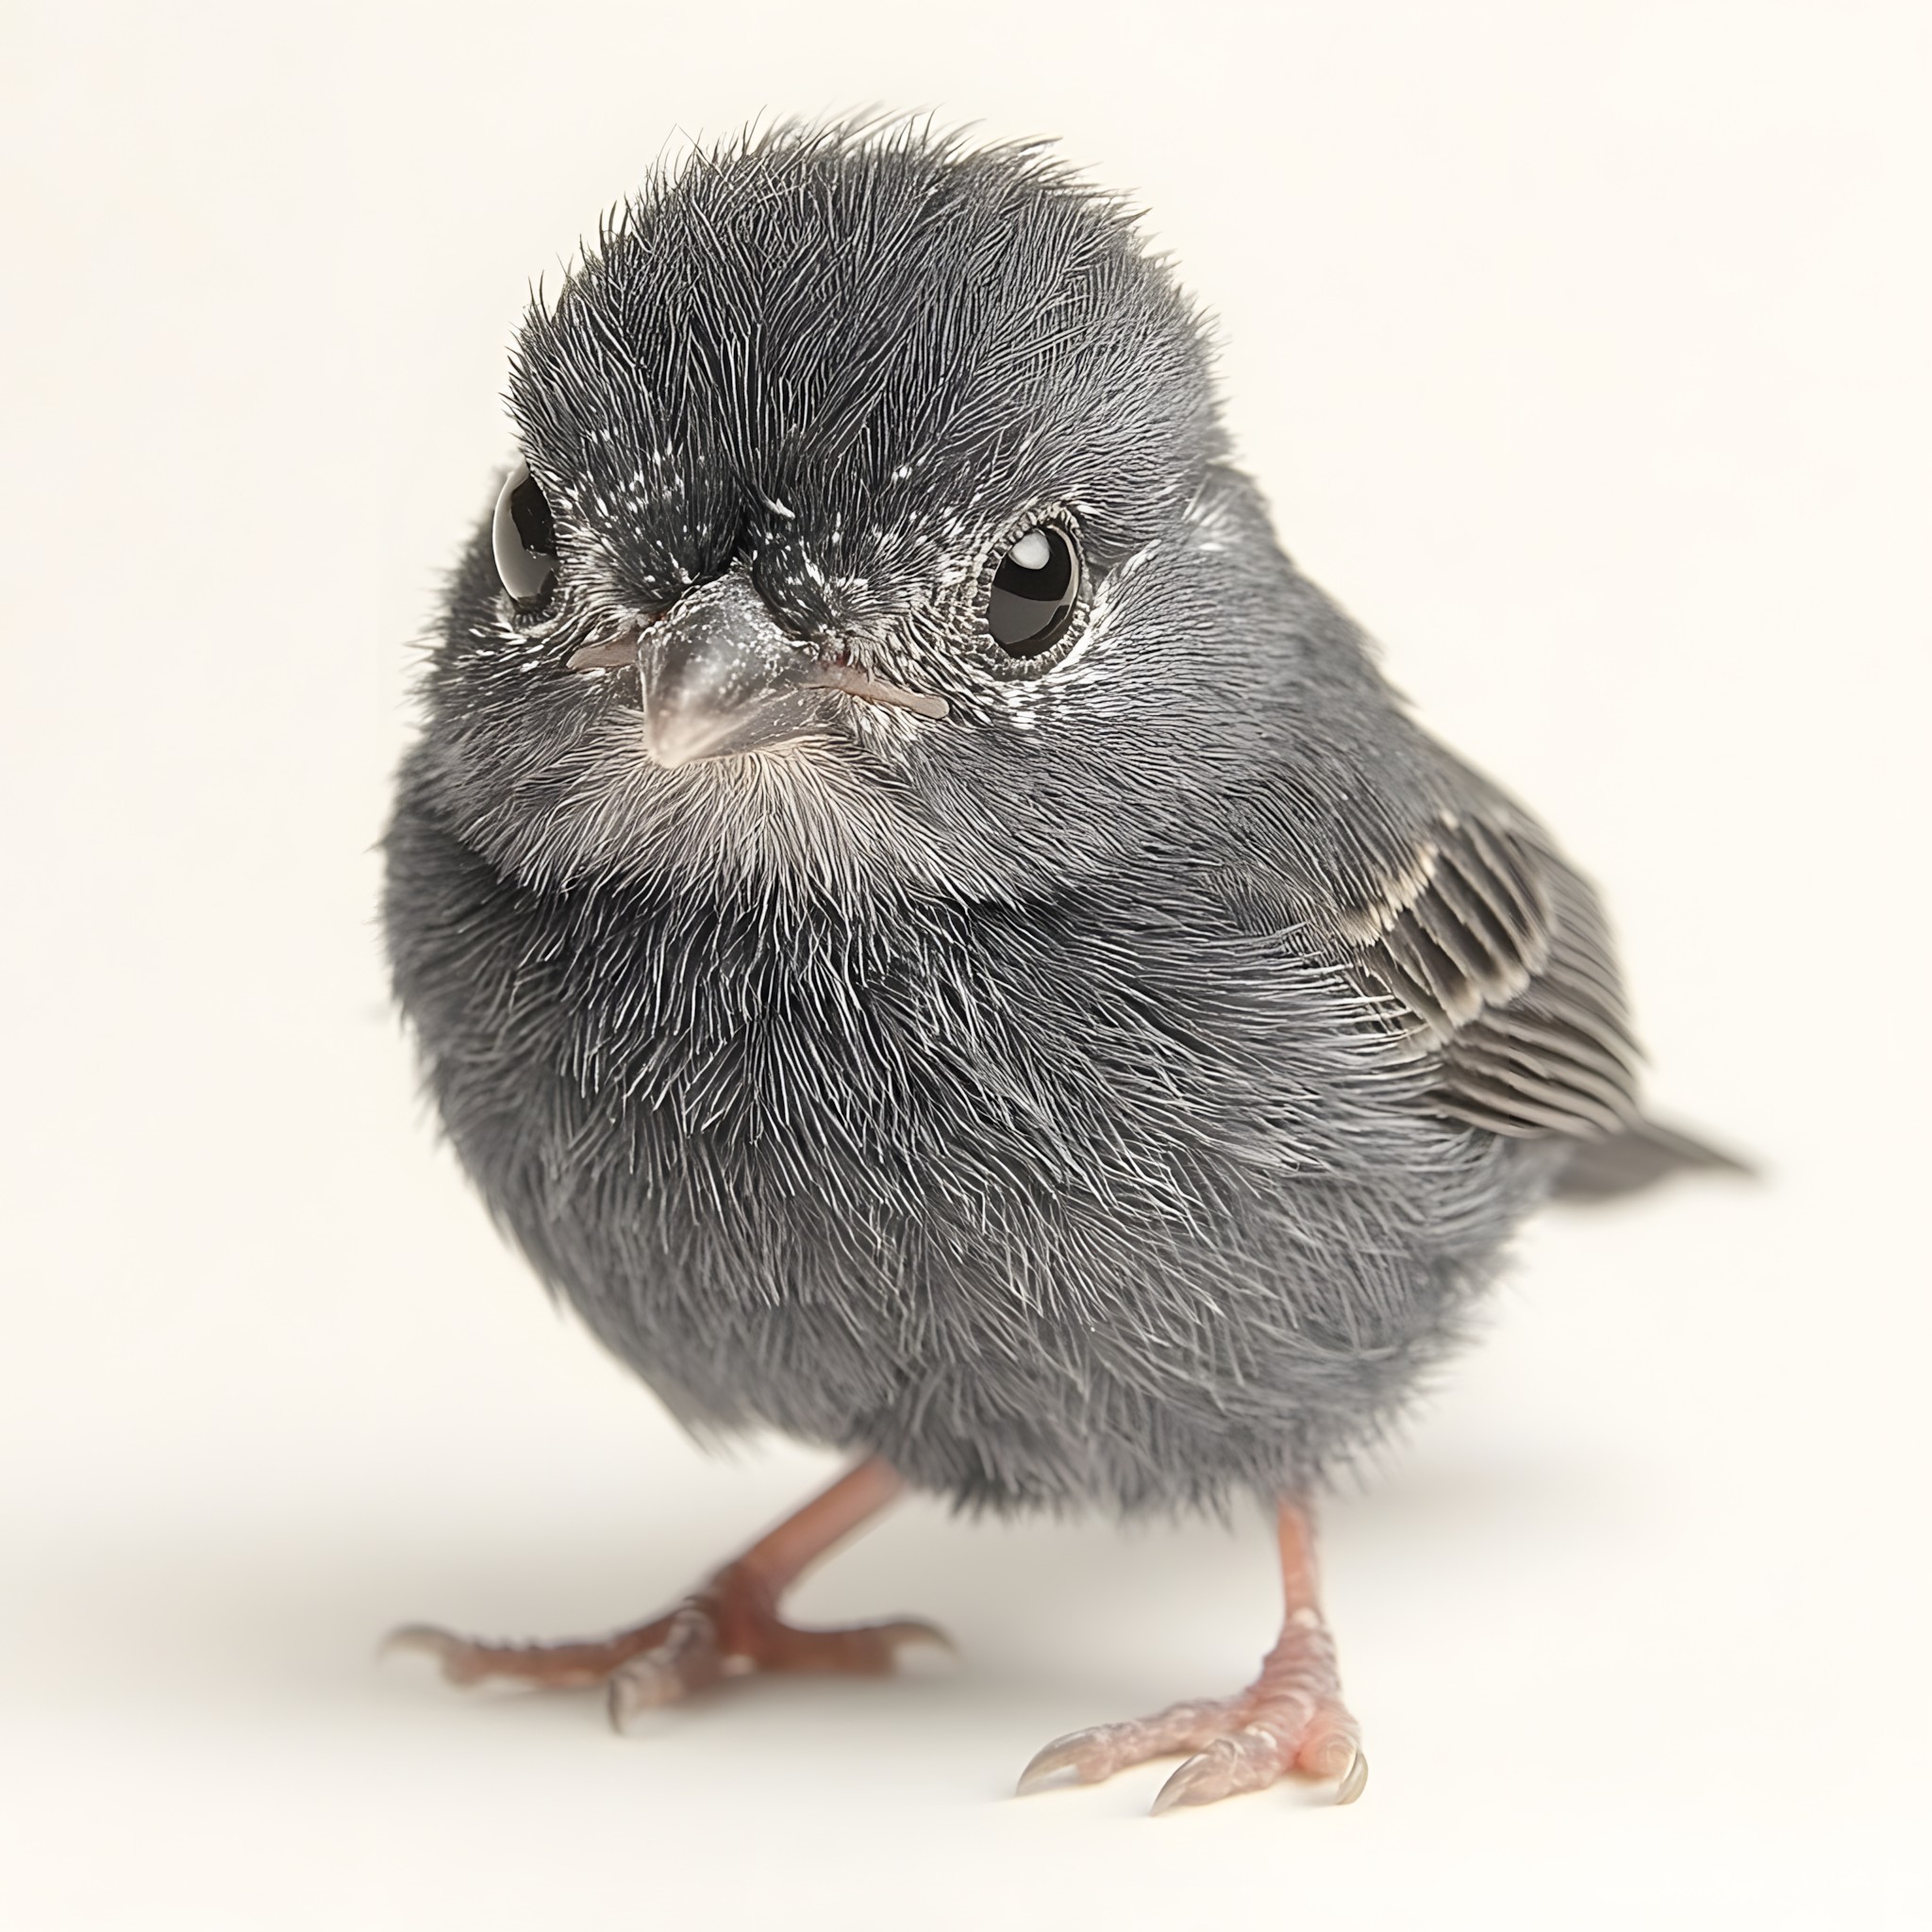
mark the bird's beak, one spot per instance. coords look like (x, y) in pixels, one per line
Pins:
(719, 677)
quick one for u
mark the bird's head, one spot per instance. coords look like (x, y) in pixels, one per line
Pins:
(862, 530)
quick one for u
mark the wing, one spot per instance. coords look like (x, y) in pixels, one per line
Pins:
(1496, 957)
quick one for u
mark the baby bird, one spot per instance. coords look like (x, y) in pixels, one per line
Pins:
(936, 938)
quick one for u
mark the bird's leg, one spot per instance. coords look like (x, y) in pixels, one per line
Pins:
(730, 1626)
(1291, 1719)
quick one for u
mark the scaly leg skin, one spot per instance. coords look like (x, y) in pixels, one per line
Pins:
(1291, 1719)
(728, 1627)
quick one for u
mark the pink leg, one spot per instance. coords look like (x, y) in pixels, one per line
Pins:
(1291, 1719)
(728, 1627)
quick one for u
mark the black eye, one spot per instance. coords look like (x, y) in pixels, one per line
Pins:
(1034, 592)
(524, 539)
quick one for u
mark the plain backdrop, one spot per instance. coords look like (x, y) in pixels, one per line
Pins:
(1582, 349)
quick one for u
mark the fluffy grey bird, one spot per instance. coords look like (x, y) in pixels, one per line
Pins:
(936, 938)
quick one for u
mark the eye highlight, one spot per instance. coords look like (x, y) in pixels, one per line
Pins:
(523, 537)
(1034, 592)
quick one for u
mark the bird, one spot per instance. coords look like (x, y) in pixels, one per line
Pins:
(936, 940)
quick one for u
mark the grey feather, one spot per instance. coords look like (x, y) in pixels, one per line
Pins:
(1640, 1156)
(1117, 1091)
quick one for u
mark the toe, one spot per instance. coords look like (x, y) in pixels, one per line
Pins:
(1330, 1747)
(1099, 1752)
(862, 1650)
(577, 1666)
(1244, 1761)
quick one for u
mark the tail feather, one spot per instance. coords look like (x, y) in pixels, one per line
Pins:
(1643, 1155)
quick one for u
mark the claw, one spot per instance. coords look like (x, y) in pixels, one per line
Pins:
(455, 1655)
(415, 1638)
(910, 1633)
(1075, 1752)
(1185, 1787)
(687, 1660)
(645, 1684)
(1247, 1760)
(1353, 1780)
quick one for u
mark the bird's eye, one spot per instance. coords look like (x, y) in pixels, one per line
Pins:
(524, 539)
(1034, 592)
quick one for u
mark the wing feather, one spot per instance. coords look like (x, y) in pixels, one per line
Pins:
(1495, 953)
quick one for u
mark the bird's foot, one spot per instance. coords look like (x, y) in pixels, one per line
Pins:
(728, 1628)
(1290, 1720)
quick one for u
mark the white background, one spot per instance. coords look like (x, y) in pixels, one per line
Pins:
(1583, 351)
